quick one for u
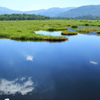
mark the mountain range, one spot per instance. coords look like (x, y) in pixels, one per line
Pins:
(93, 10)
(51, 12)
(4, 10)
(47, 12)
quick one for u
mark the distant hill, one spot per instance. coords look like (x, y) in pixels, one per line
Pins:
(51, 12)
(34, 11)
(47, 12)
(4, 10)
(93, 10)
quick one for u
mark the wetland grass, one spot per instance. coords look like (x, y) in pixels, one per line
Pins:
(98, 31)
(68, 33)
(24, 29)
(56, 29)
(21, 30)
(86, 30)
(74, 26)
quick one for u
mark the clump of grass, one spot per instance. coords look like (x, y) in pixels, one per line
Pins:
(57, 38)
(51, 29)
(68, 25)
(37, 37)
(74, 26)
(56, 29)
(98, 32)
(19, 31)
(83, 30)
(86, 30)
(86, 24)
(93, 29)
(68, 33)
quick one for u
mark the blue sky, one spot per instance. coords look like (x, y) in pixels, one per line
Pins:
(26, 5)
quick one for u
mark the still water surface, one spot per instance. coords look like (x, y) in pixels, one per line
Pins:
(68, 70)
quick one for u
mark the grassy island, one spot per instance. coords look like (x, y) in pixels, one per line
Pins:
(83, 30)
(74, 26)
(86, 30)
(38, 37)
(98, 32)
(56, 29)
(68, 33)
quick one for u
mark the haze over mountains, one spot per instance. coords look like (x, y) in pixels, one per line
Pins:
(93, 10)
(47, 12)
(4, 10)
(51, 12)
(56, 11)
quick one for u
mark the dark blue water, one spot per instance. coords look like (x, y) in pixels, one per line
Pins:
(68, 70)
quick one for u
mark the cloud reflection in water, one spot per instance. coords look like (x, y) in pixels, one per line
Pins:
(93, 62)
(22, 86)
(30, 58)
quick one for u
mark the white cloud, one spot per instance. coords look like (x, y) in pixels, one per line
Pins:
(7, 99)
(22, 79)
(16, 86)
(93, 62)
(30, 58)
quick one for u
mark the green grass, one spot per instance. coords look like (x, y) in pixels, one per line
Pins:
(56, 29)
(98, 31)
(68, 33)
(24, 30)
(86, 30)
(74, 26)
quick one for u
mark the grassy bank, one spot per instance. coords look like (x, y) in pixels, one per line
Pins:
(68, 33)
(86, 30)
(24, 30)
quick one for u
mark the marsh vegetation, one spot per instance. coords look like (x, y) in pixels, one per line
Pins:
(25, 30)
(49, 71)
(68, 33)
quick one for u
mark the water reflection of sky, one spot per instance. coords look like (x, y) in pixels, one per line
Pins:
(55, 33)
(68, 70)
(22, 86)
(58, 33)
(93, 62)
(30, 58)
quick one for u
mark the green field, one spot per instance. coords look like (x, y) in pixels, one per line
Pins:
(25, 30)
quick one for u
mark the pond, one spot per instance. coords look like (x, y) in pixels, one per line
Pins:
(58, 33)
(67, 70)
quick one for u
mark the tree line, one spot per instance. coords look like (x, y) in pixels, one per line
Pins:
(42, 17)
(22, 17)
(89, 17)
(63, 18)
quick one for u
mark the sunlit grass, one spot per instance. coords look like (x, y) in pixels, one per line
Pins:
(68, 33)
(25, 30)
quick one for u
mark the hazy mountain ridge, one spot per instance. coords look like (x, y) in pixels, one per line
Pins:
(93, 10)
(50, 12)
(4, 10)
(47, 12)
